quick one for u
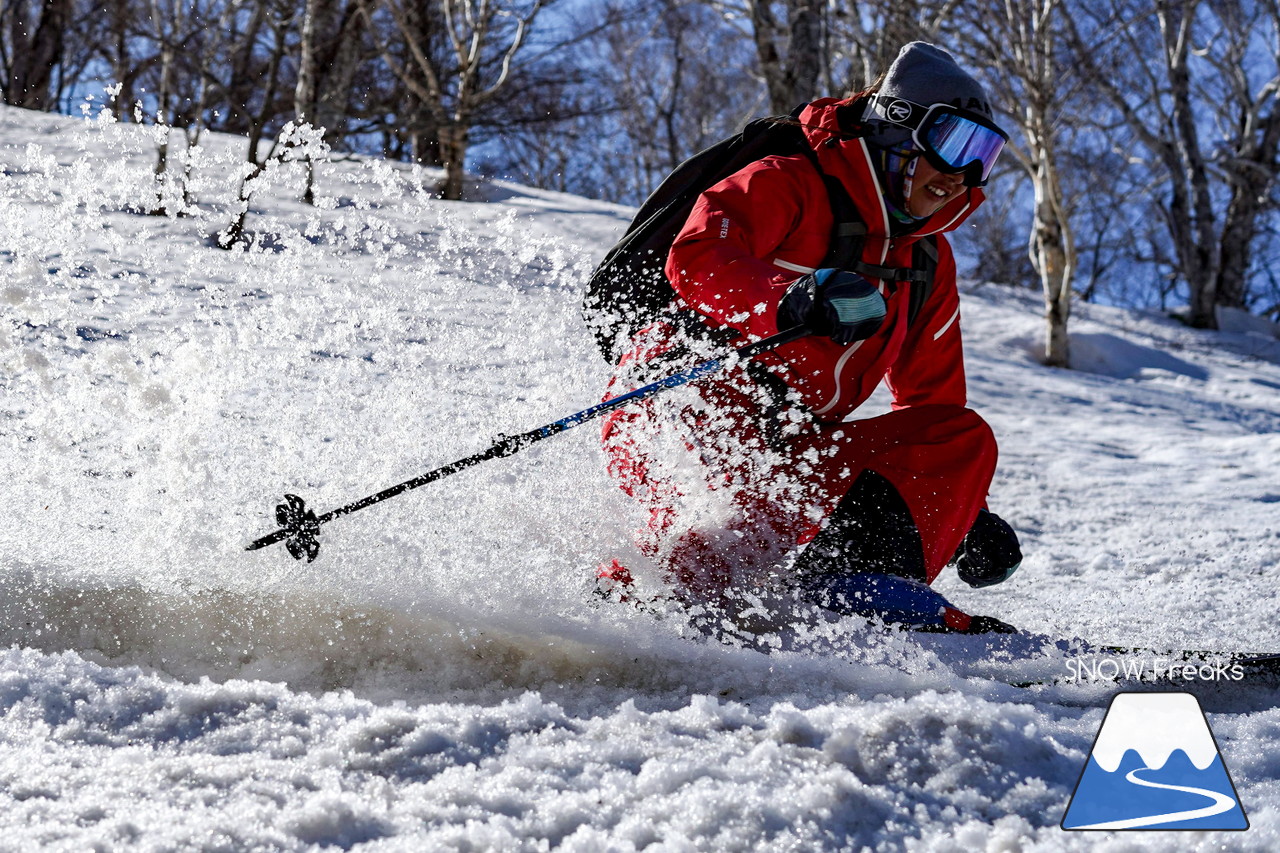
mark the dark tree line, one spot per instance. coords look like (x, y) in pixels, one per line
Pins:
(1145, 133)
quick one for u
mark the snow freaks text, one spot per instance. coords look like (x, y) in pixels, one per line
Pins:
(1102, 668)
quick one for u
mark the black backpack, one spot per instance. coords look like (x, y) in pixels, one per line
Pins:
(629, 289)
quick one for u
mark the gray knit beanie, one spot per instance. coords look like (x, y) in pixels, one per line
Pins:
(925, 75)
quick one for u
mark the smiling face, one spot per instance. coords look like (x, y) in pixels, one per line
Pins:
(931, 189)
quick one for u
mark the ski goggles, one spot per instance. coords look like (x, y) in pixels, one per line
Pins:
(952, 139)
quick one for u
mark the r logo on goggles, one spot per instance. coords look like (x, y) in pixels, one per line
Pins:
(898, 111)
(952, 139)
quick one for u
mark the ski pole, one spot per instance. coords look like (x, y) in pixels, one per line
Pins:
(300, 527)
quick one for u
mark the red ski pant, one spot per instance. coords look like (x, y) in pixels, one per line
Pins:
(730, 503)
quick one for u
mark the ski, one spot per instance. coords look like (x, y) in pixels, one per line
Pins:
(1023, 659)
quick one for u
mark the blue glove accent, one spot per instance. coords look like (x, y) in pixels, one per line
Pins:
(837, 303)
(888, 597)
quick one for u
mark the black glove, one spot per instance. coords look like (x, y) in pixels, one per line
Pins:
(977, 625)
(837, 303)
(988, 625)
(990, 553)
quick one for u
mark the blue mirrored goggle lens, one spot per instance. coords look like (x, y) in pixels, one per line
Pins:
(959, 142)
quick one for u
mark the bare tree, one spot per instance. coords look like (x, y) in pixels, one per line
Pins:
(671, 97)
(484, 39)
(1121, 248)
(997, 242)
(116, 40)
(170, 70)
(32, 41)
(330, 51)
(864, 36)
(256, 92)
(304, 92)
(1019, 44)
(788, 36)
(1244, 53)
(1203, 106)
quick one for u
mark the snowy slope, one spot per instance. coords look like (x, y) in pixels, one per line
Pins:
(436, 680)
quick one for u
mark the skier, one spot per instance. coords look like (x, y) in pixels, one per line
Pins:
(759, 480)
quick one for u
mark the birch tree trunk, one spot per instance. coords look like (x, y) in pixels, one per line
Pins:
(483, 40)
(1052, 243)
(1018, 42)
(304, 92)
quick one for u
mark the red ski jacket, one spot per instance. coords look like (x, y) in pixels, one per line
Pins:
(755, 232)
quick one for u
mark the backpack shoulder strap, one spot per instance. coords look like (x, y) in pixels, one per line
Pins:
(848, 231)
(849, 235)
(925, 261)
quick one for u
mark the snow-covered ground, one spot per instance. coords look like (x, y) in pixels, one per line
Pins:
(437, 678)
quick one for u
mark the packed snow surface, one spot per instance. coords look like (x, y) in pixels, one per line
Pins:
(439, 678)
